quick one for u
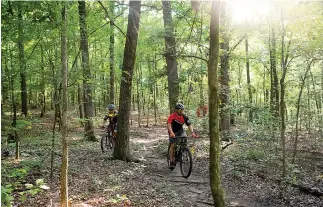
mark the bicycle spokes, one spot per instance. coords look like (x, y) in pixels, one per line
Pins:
(186, 162)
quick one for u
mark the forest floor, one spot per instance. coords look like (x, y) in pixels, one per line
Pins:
(249, 179)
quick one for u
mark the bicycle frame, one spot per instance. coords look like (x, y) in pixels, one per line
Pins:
(108, 139)
(181, 143)
(182, 154)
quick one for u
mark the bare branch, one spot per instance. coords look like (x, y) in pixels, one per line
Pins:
(111, 20)
(193, 56)
(236, 44)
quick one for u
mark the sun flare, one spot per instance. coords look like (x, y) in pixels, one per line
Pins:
(248, 10)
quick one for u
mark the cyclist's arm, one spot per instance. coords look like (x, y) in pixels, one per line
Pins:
(169, 127)
(188, 124)
(191, 129)
(104, 121)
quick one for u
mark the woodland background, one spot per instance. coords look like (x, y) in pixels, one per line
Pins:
(64, 62)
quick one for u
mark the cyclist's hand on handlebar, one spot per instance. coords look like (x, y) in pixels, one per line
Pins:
(194, 135)
(172, 135)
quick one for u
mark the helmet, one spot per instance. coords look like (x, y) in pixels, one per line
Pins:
(111, 107)
(179, 106)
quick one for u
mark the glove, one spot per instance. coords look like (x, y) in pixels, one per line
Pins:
(172, 135)
(194, 135)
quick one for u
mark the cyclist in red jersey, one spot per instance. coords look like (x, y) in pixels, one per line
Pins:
(175, 128)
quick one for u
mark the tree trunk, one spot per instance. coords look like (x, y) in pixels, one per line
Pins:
(142, 93)
(80, 103)
(5, 81)
(64, 167)
(298, 109)
(283, 125)
(154, 92)
(215, 172)
(317, 98)
(22, 65)
(309, 112)
(43, 95)
(122, 151)
(321, 115)
(88, 104)
(138, 97)
(248, 79)
(274, 94)
(170, 54)
(111, 48)
(284, 59)
(201, 90)
(14, 107)
(224, 77)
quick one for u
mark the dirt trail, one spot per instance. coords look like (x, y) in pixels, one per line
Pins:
(96, 180)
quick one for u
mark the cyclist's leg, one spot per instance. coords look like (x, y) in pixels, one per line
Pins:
(115, 130)
(172, 142)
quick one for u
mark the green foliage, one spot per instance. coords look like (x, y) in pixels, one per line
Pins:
(17, 173)
(6, 197)
(246, 159)
(32, 163)
(292, 173)
(15, 177)
(201, 125)
(23, 124)
(255, 155)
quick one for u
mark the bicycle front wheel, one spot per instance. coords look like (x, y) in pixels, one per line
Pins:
(111, 143)
(104, 143)
(186, 162)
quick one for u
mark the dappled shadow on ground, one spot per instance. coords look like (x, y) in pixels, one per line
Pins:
(97, 180)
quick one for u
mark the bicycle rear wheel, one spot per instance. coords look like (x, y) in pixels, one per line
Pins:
(186, 162)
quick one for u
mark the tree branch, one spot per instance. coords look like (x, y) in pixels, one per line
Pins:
(236, 44)
(111, 20)
(32, 51)
(193, 56)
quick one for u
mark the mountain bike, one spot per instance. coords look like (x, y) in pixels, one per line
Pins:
(108, 139)
(182, 155)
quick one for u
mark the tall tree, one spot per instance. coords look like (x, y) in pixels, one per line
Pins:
(87, 96)
(284, 66)
(64, 167)
(320, 108)
(22, 65)
(111, 48)
(215, 171)
(122, 151)
(42, 96)
(298, 106)
(170, 54)
(274, 94)
(224, 77)
(248, 77)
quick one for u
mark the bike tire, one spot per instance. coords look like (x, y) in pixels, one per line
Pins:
(104, 142)
(111, 143)
(186, 162)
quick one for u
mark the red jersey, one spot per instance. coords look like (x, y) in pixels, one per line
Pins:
(177, 122)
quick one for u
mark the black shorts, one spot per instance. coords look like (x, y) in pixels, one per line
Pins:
(177, 134)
